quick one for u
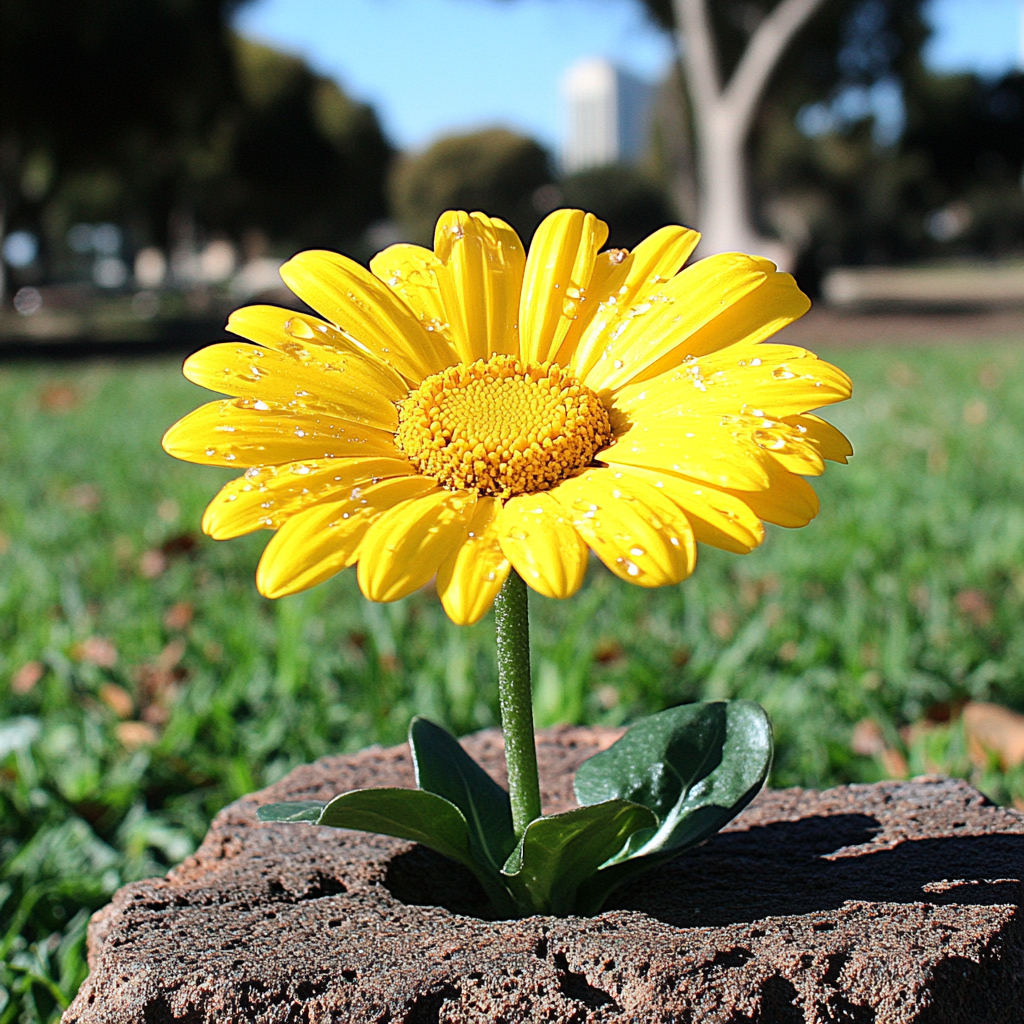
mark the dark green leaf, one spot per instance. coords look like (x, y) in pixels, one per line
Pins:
(300, 810)
(422, 817)
(696, 766)
(444, 768)
(406, 814)
(559, 852)
(701, 761)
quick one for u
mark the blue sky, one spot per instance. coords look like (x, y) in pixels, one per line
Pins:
(432, 67)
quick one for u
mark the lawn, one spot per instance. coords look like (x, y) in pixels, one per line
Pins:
(144, 683)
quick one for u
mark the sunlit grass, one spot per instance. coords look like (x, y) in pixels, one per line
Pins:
(144, 683)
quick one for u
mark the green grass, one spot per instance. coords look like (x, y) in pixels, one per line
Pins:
(905, 595)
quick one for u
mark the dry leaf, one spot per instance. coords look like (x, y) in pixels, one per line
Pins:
(96, 650)
(992, 729)
(118, 699)
(179, 615)
(27, 676)
(868, 739)
(136, 734)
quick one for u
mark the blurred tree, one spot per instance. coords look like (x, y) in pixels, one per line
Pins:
(307, 165)
(627, 198)
(734, 74)
(495, 171)
(108, 99)
(150, 112)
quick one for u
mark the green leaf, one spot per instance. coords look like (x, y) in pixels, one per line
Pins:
(696, 767)
(444, 768)
(300, 810)
(406, 814)
(561, 851)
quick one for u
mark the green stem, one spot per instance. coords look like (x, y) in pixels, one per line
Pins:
(512, 619)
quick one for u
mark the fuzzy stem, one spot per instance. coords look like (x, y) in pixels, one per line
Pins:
(512, 620)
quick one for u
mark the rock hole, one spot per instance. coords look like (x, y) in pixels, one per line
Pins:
(323, 885)
(729, 958)
(540, 951)
(349, 975)
(823, 926)
(779, 1003)
(836, 962)
(839, 1010)
(159, 1011)
(426, 1007)
(422, 878)
(575, 986)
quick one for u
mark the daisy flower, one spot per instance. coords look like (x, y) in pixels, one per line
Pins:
(460, 412)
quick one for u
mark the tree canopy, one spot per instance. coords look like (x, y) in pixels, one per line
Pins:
(130, 109)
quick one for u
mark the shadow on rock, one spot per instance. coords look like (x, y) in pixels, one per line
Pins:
(817, 864)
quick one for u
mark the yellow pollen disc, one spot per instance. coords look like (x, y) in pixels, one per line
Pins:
(502, 427)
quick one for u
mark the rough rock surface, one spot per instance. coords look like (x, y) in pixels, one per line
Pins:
(884, 903)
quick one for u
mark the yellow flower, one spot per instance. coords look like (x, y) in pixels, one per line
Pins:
(461, 411)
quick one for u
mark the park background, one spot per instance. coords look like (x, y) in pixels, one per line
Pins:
(159, 160)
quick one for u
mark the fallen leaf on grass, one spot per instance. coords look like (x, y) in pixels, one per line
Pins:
(118, 699)
(868, 739)
(58, 398)
(134, 735)
(992, 729)
(608, 651)
(152, 563)
(179, 615)
(96, 650)
(974, 605)
(27, 676)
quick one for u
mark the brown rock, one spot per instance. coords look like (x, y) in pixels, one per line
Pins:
(886, 903)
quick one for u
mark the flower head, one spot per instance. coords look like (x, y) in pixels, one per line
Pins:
(466, 410)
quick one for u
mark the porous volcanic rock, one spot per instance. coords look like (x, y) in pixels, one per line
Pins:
(883, 903)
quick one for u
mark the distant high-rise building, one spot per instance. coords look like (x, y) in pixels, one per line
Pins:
(608, 113)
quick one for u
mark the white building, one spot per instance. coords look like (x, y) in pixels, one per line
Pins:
(607, 113)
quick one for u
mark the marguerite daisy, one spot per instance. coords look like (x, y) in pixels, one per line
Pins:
(459, 412)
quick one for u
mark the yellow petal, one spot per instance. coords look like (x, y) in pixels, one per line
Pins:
(269, 495)
(404, 548)
(778, 380)
(236, 432)
(299, 384)
(470, 577)
(670, 314)
(830, 442)
(368, 312)
(611, 268)
(789, 500)
(540, 542)
(410, 271)
(325, 538)
(634, 529)
(718, 518)
(654, 261)
(757, 315)
(787, 444)
(480, 278)
(558, 271)
(314, 342)
(697, 446)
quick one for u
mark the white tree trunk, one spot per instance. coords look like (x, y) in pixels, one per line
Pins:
(723, 115)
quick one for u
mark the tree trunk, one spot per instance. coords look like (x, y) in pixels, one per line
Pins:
(723, 115)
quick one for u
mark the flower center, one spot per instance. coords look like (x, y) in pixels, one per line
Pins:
(502, 427)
